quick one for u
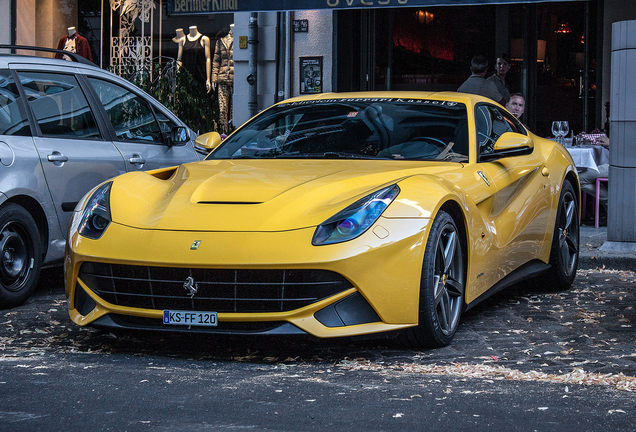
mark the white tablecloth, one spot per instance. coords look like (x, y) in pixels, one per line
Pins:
(589, 157)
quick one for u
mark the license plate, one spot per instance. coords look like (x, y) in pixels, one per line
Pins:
(189, 318)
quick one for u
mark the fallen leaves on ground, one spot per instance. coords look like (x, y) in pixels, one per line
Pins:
(482, 371)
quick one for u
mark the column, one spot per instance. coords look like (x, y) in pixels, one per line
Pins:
(621, 222)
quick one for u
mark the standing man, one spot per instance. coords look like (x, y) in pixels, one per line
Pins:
(477, 84)
(499, 77)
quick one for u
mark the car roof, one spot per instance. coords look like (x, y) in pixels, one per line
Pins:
(6, 59)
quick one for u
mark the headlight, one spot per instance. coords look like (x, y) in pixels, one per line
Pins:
(355, 219)
(96, 213)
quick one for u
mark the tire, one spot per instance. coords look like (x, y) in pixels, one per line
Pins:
(564, 252)
(20, 258)
(442, 286)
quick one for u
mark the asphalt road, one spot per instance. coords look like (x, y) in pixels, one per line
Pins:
(524, 360)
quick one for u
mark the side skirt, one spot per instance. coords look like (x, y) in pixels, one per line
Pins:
(526, 271)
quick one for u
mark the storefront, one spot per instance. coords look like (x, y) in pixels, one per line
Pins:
(558, 50)
(426, 48)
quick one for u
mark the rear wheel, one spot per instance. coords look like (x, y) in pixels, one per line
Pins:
(564, 254)
(442, 285)
(20, 256)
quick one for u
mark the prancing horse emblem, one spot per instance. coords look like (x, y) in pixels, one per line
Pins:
(190, 286)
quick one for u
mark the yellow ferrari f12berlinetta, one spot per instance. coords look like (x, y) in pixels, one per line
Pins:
(331, 215)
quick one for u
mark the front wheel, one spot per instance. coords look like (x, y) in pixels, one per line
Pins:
(20, 258)
(442, 285)
(564, 254)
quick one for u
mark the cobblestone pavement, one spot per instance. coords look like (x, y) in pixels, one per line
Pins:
(581, 336)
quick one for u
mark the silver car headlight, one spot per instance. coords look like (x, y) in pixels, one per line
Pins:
(355, 219)
(95, 216)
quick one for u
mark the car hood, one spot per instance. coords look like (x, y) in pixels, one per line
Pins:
(254, 195)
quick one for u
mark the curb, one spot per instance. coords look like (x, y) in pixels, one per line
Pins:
(608, 260)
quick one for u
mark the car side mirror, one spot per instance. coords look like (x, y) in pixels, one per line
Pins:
(208, 141)
(510, 144)
(179, 136)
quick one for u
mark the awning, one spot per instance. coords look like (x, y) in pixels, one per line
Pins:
(192, 7)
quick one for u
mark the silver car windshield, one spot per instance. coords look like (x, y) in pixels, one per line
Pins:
(357, 128)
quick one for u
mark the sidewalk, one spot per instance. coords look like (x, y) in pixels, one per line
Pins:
(591, 257)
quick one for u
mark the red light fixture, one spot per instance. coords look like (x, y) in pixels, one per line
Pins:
(564, 27)
(424, 16)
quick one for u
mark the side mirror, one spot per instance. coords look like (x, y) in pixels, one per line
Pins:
(179, 136)
(510, 144)
(208, 141)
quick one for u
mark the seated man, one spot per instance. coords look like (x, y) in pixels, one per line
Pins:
(516, 105)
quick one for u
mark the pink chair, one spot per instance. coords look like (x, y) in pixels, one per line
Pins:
(597, 199)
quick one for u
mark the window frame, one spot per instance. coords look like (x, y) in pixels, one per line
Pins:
(35, 127)
(512, 121)
(140, 94)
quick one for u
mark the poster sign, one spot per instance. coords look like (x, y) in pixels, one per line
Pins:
(301, 26)
(310, 75)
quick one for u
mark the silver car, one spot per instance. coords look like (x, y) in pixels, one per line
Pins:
(64, 128)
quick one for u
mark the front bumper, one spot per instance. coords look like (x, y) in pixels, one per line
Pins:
(382, 267)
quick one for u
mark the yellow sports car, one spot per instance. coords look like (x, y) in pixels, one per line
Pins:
(331, 215)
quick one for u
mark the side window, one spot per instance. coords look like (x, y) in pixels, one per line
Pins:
(59, 105)
(131, 116)
(13, 119)
(491, 124)
(164, 122)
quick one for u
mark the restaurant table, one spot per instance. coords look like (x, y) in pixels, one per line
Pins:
(588, 156)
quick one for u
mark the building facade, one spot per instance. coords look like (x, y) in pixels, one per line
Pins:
(560, 51)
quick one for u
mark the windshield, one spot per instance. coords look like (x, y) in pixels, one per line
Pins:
(365, 128)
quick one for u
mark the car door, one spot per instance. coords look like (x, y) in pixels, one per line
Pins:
(74, 154)
(519, 210)
(140, 129)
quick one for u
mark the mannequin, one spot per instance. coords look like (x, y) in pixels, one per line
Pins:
(179, 35)
(223, 75)
(194, 55)
(74, 42)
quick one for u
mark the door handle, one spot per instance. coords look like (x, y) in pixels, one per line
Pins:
(137, 160)
(57, 157)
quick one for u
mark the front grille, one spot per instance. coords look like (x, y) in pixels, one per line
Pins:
(218, 290)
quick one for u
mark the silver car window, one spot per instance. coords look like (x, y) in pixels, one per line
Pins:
(13, 119)
(165, 123)
(59, 105)
(130, 115)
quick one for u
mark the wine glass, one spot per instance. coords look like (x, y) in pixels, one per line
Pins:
(556, 129)
(565, 129)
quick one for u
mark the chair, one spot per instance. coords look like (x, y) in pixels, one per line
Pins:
(597, 199)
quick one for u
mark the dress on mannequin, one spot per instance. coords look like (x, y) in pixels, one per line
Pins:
(194, 55)
(76, 43)
(223, 75)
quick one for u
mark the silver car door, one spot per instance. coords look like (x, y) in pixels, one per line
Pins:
(74, 155)
(141, 132)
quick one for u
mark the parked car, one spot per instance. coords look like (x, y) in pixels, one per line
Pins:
(331, 215)
(64, 128)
